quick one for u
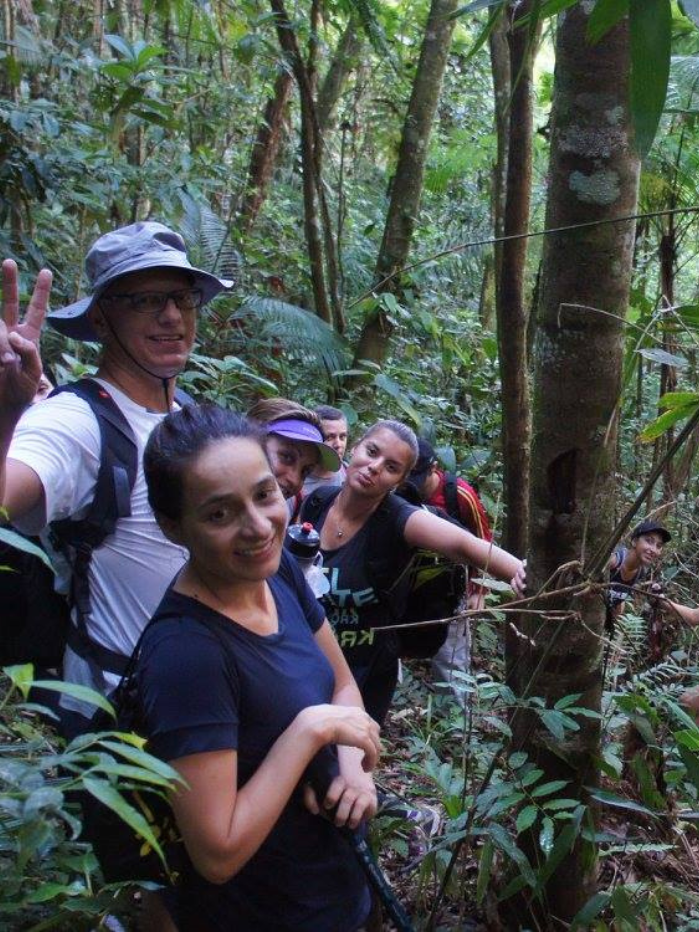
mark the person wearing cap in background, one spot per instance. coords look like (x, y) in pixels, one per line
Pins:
(142, 308)
(460, 501)
(295, 445)
(333, 424)
(629, 566)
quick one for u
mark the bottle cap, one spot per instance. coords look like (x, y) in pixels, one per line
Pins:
(302, 540)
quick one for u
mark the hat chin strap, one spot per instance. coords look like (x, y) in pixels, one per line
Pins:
(163, 379)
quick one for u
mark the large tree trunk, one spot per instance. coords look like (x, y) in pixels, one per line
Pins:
(265, 150)
(578, 360)
(342, 64)
(404, 208)
(511, 305)
(319, 240)
(501, 74)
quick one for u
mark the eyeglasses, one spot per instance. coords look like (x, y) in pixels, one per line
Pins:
(154, 302)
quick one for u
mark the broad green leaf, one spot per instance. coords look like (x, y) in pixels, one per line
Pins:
(120, 45)
(531, 777)
(49, 891)
(566, 701)
(82, 693)
(619, 802)
(21, 675)
(590, 910)
(143, 759)
(678, 400)
(650, 24)
(546, 789)
(654, 353)
(688, 313)
(665, 422)
(484, 868)
(502, 839)
(687, 739)
(554, 804)
(103, 791)
(546, 836)
(517, 759)
(526, 818)
(680, 715)
(21, 543)
(606, 14)
(562, 845)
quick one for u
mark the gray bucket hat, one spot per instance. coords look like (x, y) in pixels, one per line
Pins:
(143, 245)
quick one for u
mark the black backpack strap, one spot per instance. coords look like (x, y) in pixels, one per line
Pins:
(315, 505)
(451, 497)
(112, 500)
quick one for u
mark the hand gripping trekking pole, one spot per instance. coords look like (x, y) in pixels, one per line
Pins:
(367, 862)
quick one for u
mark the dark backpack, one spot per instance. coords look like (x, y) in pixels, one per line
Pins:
(77, 540)
(124, 854)
(428, 587)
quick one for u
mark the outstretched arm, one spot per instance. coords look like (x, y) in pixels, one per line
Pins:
(687, 614)
(20, 372)
(430, 532)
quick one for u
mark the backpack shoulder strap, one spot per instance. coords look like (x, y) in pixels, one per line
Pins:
(451, 496)
(318, 502)
(117, 470)
(112, 500)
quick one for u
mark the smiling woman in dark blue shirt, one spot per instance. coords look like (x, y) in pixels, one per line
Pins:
(242, 684)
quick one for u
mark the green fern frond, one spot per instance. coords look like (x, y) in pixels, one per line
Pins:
(302, 333)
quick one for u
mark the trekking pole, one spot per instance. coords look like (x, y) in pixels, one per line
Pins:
(377, 880)
(321, 780)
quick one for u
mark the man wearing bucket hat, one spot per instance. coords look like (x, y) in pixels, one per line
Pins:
(142, 306)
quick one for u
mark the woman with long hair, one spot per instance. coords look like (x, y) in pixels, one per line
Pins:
(242, 684)
(348, 520)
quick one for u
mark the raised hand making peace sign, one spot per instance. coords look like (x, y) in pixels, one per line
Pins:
(20, 364)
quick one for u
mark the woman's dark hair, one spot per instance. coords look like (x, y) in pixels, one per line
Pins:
(180, 438)
(402, 431)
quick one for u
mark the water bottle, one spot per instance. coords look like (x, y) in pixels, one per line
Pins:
(304, 542)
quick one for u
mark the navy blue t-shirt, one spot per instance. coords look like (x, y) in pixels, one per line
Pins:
(207, 684)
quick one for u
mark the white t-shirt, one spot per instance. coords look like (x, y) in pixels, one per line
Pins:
(60, 440)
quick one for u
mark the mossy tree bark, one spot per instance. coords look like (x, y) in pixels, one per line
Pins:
(578, 360)
(510, 283)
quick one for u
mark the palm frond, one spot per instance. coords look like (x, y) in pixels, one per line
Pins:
(683, 86)
(302, 333)
(209, 235)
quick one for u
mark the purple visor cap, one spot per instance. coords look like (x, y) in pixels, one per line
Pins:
(144, 245)
(296, 429)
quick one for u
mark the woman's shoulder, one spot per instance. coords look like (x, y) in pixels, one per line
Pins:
(179, 635)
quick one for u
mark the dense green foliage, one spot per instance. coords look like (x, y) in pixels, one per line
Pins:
(152, 111)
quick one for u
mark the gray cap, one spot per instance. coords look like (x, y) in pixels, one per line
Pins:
(143, 245)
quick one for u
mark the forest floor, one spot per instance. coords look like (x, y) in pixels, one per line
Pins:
(654, 859)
